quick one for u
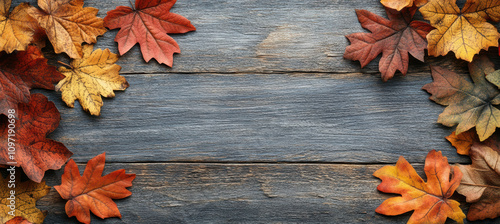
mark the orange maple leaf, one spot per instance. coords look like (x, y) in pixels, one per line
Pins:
(17, 28)
(429, 200)
(463, 141)
(93, 192)
(400, 4)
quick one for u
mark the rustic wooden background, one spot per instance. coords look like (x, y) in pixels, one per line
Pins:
(260, 120)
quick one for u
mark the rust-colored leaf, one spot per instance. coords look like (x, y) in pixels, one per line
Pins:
(469, 104)
(21, 71)
(465, 31)
(26, 194)
(92, 191)
(68, 24)
(33, 151)
(17, 28)
(394, 38)
(465, 140)
(481, 183)
(429, 200)
(400, 4)
(148, 24)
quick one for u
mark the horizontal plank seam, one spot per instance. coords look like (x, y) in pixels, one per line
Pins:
(252, 163)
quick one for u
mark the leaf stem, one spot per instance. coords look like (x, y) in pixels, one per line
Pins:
(132, 4)
(62, 63)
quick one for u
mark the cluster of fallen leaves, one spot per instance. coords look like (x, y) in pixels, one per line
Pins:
(70, 28)
(472, 104)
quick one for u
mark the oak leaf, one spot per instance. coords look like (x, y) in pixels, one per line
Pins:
(148, 24)
(394, 38)
(469, 104)
(17, 27)
(67, 24)
(21, 71)
(429, 200)
(94, 75)
(465, 31)
(400, 4)
(481, 183)
(92, 191)
(26, 195)
(33, 151)
(465, 140)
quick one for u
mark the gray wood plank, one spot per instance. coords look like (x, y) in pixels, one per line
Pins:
(353, 118)
(242, 193)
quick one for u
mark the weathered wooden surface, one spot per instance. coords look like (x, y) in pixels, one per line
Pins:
(260, 120)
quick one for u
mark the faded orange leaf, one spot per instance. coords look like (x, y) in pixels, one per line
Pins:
(400, 4)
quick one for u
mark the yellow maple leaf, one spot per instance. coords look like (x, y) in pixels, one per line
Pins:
(17, 27)
(465, 31)
(26, 195)
(68, 24)
(94, 75)
(400, 4)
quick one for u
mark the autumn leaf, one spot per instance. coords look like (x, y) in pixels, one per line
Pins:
(21, 71)
(429, 200)
(17, 27)
(465, 31)
(26, 195)
(465, 140)
(34, 152)
(68, 24)
(394, 38)
(94, 75)
(469, 104)
(18, 220)
(148, 24)
(92, 191)
(400, 4)
(481, 183)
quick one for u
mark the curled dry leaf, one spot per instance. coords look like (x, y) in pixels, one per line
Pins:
(465, 31)
(394, 38)
(21, 71)
(26, 195)
(429, 200)
(400, 4)
(148, 24)
(94, 75)
(92, 191)
(17, 28)
(34, 152)
(469, 104)
(67, 24)
(481, 183)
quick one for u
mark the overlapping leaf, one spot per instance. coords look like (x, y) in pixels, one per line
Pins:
(465, 140)
(465, 31)
(394, 38)
(92, 191)
(18, 220)
(68, 24)
(94, 75)
(148, 24)
(481, 183)
(469, 104)
(400, 4)
(430, 199)
(21, 71)
(17, 28)
(34, 152)
(26, 193)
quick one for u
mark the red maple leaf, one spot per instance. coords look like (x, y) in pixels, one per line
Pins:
(148, 25)
(33, 151)
(92, 191)
(22, 71)
(394, 38)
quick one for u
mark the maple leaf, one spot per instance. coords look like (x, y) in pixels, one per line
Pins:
(429, 200)
(469, 104)
(481, 183)
(465, 140)
(148, 24)
(94, 75)
(18, 220)
(34, 152)
(21, 71)
(400, 4)
(394, 38)
(26, 195)
(92, 191)
(465, 31)
(68, 24)
(17, 28)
